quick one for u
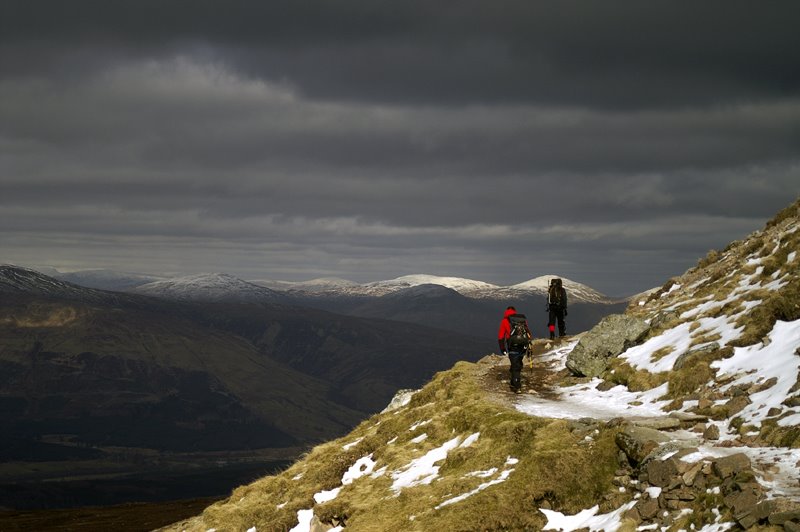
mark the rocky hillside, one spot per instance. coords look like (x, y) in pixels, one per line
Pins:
(681, 414)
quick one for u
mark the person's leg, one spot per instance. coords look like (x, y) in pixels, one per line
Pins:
(562, 327)
(551, 323)
(516, 368)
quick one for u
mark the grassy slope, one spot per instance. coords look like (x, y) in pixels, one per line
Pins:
(556, 467)
(719, 283)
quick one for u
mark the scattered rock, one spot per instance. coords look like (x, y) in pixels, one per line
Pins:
(605, 386)
(736, 404)
(711, 433)
(791, 526)
(792, 401)
(632, 515)
(661, 472)
(685, 357)
(728, 466)
(658, 423)
(690, 475)
(704, 404)
(774, 411)
(317, 525)
(688, 417)
(766, 385)
(664, 317)
(647, 509)
(638, 442)
(613, 335)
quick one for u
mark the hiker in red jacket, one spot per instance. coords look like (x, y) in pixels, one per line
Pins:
(514, 339)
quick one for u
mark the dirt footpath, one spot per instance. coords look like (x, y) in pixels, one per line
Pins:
(539, 375)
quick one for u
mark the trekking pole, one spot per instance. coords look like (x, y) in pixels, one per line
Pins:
(530, 354)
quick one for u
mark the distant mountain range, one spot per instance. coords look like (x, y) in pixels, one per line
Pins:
(456, 304)
(217, 286)
(122, 369)
(466, 287)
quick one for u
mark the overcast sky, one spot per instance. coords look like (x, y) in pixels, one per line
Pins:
(613, 143)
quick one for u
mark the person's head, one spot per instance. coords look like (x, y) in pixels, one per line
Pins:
(511, 308)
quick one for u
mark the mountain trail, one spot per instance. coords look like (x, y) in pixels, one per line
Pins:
(539, 373)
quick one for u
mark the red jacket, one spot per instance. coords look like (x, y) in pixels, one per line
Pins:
(505, 325)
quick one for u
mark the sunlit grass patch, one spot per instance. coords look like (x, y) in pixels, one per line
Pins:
(781, 305)
(636, 380)
(695, 374)
(537, 461)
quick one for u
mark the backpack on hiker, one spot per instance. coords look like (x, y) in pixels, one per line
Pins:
(555, 294)
(519, 338)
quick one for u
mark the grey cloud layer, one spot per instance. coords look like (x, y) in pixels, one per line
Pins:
(372, 139)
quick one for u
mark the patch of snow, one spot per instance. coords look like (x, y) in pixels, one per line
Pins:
(380, 472)
(763, 362)
(584, 400)
(483, 474)
(363, 466)
(672, 288)
(352, 444)
(790, 257)
(326, 495)
(472, 438)
(502, 478)
(304, 518)
(421, 438)
(654, 492)
(609, 522)
(717, 527)
(415, 426)
(423, 470)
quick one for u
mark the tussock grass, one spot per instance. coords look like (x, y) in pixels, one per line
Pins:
(636, 380)
(773, 434)
(792, 211)
(695, 374)
(782, 305)
(555, 465)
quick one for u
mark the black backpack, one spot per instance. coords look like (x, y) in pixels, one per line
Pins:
(519, 338)
(556, 295)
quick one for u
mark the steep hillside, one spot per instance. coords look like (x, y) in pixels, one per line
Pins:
(692, 423)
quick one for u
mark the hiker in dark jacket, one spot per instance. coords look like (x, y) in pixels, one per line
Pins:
(514, 338)
(556, 308)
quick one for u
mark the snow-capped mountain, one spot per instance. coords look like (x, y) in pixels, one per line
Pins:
(320, 285)
(576, 291)
(460, 285)
(209, 287)
(466, 287)
(104, 279)
(15, 279)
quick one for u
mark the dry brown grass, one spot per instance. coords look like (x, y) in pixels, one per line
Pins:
(620, 372)
(555, 465)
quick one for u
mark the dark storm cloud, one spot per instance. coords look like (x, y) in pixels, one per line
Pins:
(493, 140)
(625, 53)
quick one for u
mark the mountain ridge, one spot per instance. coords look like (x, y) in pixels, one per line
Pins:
(694, 425)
